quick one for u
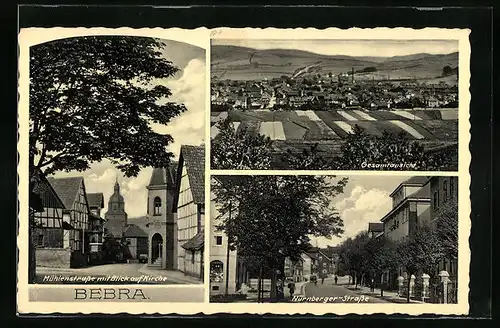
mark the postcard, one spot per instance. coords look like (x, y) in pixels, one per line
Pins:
(243, 171)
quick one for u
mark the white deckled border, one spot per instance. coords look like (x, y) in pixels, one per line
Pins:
(201, 37)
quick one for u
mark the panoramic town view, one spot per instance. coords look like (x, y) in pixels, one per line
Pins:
(334, 239)
(337, 97)
(116, 178)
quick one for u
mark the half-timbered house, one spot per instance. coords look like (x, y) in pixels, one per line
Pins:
(189, 210)
(63, 234)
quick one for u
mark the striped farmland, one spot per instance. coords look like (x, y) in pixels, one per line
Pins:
(334, 125)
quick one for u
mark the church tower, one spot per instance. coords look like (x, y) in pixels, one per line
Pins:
(161, 218)
(116, 217)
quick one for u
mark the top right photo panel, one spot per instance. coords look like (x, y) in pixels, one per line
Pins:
(334, 104)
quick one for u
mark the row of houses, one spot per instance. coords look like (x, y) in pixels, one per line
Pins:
(367, 94)
(416, 202)
(229, 271)
(70, 230)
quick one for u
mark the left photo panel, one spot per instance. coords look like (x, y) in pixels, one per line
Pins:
(111, 166)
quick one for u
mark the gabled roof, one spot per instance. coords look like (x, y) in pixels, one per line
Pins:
(163, 176)
(95, 200)
(66, 189)
(323, 253)
(42, 194)
(422, 193)
(412, 181)
(196, 243)
(133, 230)
(193, 158)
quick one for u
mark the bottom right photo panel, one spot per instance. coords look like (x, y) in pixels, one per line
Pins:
(333, 239)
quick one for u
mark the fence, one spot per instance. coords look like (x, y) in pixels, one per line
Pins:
(435, 291)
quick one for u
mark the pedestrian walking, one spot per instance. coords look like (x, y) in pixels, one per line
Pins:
(322, 280)
(372, 285)
(336, 279)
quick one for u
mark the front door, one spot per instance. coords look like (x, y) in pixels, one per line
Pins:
(156, 247)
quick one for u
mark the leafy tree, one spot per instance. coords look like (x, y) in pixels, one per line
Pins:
(361, 147)
(382, 257)
(239, 150)
(447, 70)
(273, 217)
(93, 98)
(354, 257)
(446, 223)
(420, 251)
(308, 159)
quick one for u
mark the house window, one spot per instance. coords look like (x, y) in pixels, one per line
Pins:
(40, 240)
(445, 191)
(218, 240)
(157, 206)
(216, 271)
(436, 200)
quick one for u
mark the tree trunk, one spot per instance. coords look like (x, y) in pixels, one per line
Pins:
(408, 289)
(32, 252)
(382, 285)
(227, 271)
(259, 285)
(274, 293)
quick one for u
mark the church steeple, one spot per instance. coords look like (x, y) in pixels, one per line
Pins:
(116, 217)
(116, 202)
(117, 187)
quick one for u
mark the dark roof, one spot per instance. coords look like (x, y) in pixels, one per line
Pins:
(423, 192)
(66, 189)
(95, 200)
(413, 181)
(196, 243)
(133, 230)
(375, 227)
(417, 180)
(193, 158)
(311, 255)
(42, 194)
(162, 176)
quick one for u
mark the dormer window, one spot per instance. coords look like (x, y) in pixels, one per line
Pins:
(157, 206)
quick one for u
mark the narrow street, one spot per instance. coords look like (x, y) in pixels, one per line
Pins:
(338, 293)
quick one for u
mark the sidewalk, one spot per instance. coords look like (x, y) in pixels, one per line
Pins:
(299, 290)
(172, 275)
(389, 296)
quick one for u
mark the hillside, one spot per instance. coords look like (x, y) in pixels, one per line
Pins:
(240, 63)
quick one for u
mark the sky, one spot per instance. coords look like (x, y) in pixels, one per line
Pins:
(187, 87)
(365, 199)
(377, 48)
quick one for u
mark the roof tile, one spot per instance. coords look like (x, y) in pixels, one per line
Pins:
(194, 160)
(66, 189)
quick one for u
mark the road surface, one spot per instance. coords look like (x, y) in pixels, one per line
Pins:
(332, 293)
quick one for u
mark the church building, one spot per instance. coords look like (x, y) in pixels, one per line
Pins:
(116, 217)
(161, 225)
